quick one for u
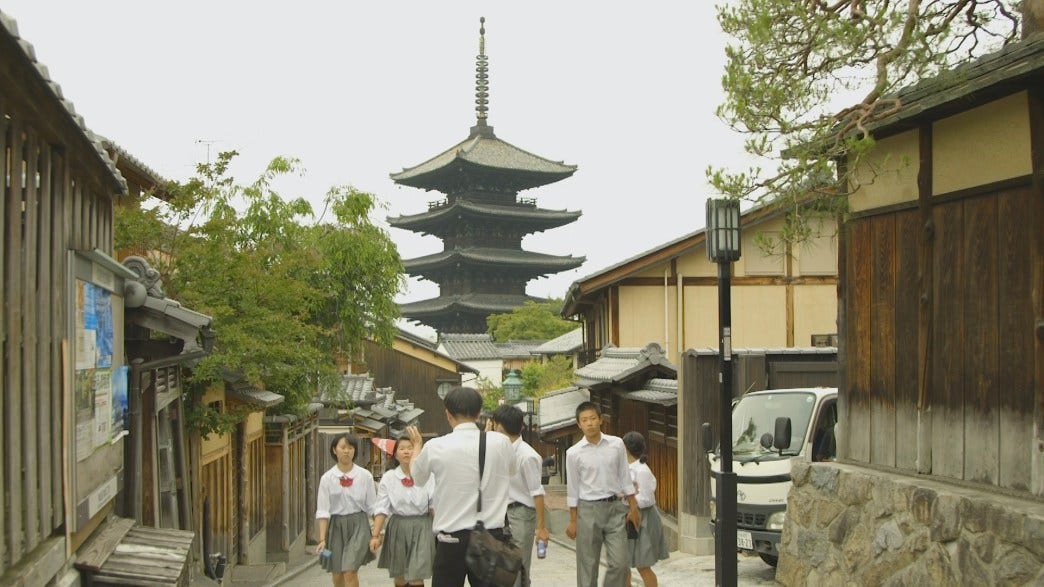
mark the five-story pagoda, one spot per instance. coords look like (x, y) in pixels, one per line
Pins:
(482, 268)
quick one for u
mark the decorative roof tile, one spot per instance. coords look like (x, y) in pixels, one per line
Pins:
(619, 364)
(657, 391)
(354, 388)
(464, 347)
(569, 342)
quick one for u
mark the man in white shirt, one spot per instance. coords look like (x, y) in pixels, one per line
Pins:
(596, 476)
(454, 461)
(525, 512)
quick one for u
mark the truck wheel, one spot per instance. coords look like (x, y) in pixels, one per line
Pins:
(769, 559)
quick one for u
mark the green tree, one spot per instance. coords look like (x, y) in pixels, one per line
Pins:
(287, 292)
(530, 321)
(540, 378)
(792, 62)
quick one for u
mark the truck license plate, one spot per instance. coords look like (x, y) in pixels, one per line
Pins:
(744, 540)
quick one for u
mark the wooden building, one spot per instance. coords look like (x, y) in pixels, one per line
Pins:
(782, 295)
(942, 331)
(482, 268)
(417, 372)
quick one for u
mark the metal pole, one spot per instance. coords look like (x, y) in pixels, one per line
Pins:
(726, 543)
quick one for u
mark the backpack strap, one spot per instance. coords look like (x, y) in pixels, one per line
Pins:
(482, 465)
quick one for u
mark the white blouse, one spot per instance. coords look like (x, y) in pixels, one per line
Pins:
(394, 498)
(334, 499)
(644, 484)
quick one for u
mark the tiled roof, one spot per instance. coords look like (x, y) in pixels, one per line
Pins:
(557, 409)
(518, 349)
(490, 255)
(478, 302)
(465, 347)
(354, 388)
(568, 343)
(618, 364)
(545, 219)
(10, 27)
(657, 391)
(238, 387)
(417, 340)
(483, 150)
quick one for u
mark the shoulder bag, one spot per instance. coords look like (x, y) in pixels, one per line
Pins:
(492, 561)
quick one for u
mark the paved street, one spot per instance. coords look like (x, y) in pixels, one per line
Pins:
(559, 570)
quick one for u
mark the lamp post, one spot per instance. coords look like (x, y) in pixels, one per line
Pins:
(723, 247)
(512, 386)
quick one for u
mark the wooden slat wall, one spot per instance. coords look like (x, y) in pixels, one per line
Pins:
(947, 393)
(981, 390)
(663, 461)
(907, 306)
(45, 175)
(882, 341)
(412, 379)
(217, 487)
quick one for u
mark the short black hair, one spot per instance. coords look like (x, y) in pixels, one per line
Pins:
(463, 401)
(352, 440)
(394, 461)
(634, 442)
(510, 418)
(585, 406)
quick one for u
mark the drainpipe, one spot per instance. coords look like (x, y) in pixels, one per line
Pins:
(681, 319)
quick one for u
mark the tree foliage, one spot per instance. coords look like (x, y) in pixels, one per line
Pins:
(530, 321)
(540, 378)
(288, 292)
(792, 62)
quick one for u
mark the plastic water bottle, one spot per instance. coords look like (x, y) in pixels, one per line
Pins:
(541, 548)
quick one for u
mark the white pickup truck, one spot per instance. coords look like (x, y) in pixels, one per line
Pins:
(762, 462)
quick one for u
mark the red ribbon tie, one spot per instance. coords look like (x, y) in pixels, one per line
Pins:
(346, 481)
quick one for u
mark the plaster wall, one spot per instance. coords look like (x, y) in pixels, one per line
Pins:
(815, 312)
(888, 174)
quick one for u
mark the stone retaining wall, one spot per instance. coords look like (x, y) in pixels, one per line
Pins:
(848, 525)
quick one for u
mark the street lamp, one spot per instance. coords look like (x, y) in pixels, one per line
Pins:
(723, 247)
(512, 386)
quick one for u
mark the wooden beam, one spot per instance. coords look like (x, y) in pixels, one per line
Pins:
(97, 550)
(1036, 113)
(925, 281)
(30, 336)
(13, 315)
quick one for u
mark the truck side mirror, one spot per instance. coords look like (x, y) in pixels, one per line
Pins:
(766, 441)
(708, 438)
(781, 441)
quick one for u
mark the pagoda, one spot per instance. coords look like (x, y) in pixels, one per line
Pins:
(482, 268)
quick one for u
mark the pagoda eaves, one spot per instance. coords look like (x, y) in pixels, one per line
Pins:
(533, 218)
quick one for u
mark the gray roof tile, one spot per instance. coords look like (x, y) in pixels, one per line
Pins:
(479, 302)
(540, 216)
(518, 349)
(569, 342)
(557, 409)
(465, 347)
(618, 364)
(501, 257)
(657, 391)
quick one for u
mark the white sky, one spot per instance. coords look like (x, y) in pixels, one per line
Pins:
(357, 90)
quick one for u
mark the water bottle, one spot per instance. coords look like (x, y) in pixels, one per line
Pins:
(541, 548)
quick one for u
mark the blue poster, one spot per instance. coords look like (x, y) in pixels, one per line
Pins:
(119, 400)
(103, 329)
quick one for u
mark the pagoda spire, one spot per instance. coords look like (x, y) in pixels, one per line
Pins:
(481, 77)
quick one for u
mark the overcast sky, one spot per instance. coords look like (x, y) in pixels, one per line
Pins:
(357, 90)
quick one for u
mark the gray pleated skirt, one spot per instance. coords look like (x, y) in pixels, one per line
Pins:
(651, 544)
(409, 548)
(348, 538)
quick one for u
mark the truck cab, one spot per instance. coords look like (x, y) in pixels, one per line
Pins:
(763, 468)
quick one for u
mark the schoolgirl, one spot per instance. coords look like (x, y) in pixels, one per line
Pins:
(408, 542)
(345, 500)
(650, 546)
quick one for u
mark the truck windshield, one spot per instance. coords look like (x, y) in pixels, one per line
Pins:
(755, 415)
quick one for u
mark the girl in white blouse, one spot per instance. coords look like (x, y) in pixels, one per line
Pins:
(651, 545)
(345, 500)
(409, 543)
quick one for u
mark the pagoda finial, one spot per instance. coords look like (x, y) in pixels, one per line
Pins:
(482, 76)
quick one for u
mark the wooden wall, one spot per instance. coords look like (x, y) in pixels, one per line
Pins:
(412, 379)
(55, 195)
(959, 341)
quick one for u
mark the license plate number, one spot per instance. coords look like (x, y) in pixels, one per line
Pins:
(744, 540)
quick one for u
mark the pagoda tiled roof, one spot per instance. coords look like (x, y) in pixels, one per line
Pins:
(482, 302)
(489, 255)
(538, 217)
(482, 150)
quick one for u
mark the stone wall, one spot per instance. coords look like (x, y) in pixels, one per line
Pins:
(848, 525)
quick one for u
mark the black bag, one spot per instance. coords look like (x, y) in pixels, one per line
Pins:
(492, 561)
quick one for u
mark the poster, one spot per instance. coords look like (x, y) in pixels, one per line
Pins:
(119, 401)
(100, 393)
(102, 406)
